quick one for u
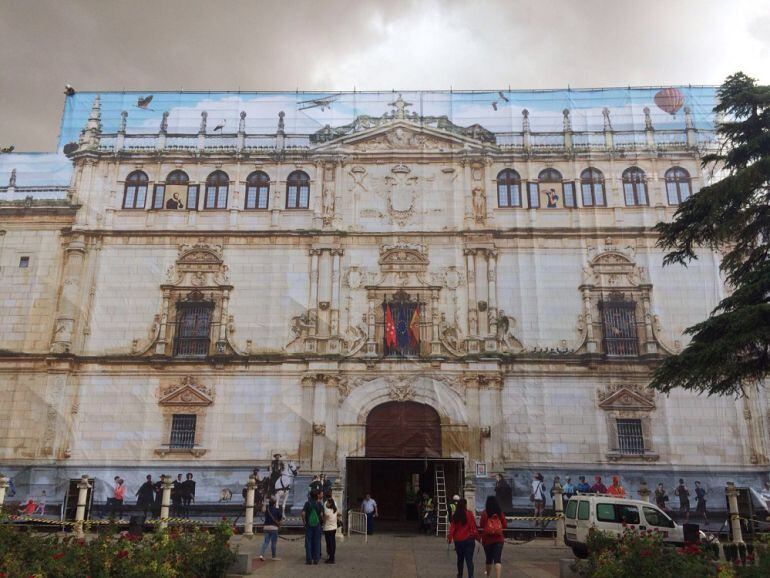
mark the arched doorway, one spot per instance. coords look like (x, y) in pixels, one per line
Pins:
(403, 429)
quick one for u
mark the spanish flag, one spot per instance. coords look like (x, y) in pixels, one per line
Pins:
(390, 328)
(414, 327)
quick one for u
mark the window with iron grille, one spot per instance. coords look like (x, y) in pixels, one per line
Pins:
(193, 329)
(630, 436)
(183, 431)
(619, 328)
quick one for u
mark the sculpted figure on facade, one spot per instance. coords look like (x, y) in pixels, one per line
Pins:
(479, 205)
(504, 326)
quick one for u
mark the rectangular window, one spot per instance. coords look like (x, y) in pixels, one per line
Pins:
(534, 195)
(222, 197)
(684, 190)
(193, 330)
(571, 509)
(606, 513)
(673, 199)
(256, 197)
(211, 197)
(630, 437)
(502, 195)
(23, 262)
(157, 196)
(619, 328)
(628, 191)
(657, 518)
(183, 431)
(584, 509)
(515, 196)
(569, 195)
(599, 194)
(192, 198)
(304, 197)
(291, 197)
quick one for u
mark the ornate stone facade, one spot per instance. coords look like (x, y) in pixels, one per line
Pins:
(510, 340)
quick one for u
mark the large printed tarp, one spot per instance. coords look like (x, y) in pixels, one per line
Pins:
(499, 111)
(35, 170)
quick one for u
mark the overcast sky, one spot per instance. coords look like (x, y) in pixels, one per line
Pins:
(366, 44)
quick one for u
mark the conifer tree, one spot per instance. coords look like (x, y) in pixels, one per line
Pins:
(730, 349)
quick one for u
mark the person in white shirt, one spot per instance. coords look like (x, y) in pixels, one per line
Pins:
(331, 515)
(369, 507)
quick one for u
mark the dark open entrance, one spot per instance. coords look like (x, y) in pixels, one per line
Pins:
(403, 452)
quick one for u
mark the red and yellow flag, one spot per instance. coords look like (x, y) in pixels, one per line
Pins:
(414, 326)
(390, 328)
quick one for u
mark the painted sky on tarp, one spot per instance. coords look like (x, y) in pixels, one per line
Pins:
(36, 169)
(497, 111)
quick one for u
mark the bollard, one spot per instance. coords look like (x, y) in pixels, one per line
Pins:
(3, 486)
(558, 506)
(165, 500)
(732, 505)
(80, 512)
(248, 523)
(644, 491)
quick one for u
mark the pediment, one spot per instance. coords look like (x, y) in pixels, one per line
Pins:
(626, 398)
(188, 393)
(402, 135)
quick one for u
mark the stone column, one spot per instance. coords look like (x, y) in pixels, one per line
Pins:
(68, 308)
(371, 317)
(319, 423)
(609, 137)
(160, 345)
(248, 519)
(330, 443)
(221, 344)
(649, 131)
(470, 259)
(335, 313)
(435, 338)
(3, 486)
(165, 500)
(80, 512)
(591, 344)
(312, 305)
(732, 505)
(644, 491)
(497, 435)
(337, 496)
(558, 506)
(472, 403)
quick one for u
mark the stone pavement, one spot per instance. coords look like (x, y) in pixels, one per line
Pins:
(402, 556)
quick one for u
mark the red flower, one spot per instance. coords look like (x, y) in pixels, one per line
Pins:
(58, 555)
(122, 554)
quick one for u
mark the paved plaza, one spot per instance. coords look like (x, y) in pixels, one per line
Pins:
(402, 556)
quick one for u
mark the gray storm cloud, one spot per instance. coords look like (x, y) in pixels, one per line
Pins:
(339, 45)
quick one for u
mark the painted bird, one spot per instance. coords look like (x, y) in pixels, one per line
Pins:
(68, 90)
(505, 98)
(494, 104)
(220, 126)
(144, 102)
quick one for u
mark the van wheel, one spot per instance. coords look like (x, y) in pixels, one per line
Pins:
(580, 552)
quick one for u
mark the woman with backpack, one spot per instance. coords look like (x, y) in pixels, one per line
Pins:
(492, 524)
(463, 532)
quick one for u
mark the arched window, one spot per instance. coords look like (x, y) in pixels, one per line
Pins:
(136, 190)
(216, 190)
(257, 190)
(634, 187)
(177, 178)
(592, 188)
(508, 188)
(552, 191)
(172, 194)
(677, 185)
(297, 190)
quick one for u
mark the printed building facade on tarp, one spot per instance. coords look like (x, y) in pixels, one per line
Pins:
(197, 281)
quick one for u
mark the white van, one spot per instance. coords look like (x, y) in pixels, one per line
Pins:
(608, 514)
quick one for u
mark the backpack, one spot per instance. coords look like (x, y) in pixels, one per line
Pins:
(313, 520)
(493, 527)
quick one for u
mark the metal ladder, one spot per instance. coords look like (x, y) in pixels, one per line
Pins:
(442, 528)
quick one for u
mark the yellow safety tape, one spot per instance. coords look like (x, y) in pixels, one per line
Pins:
(534, 518)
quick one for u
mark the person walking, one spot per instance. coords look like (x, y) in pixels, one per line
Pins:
(661, 497)
(369, 507)
(684, 499)
(700, 502)
(616, 489)
(330, 529)
(145, 496)
(492, 524)
(273, 518)
(188, 494)
(537, 497)
(583, 487)
(463, 532)
(312, 519)
(504, 494)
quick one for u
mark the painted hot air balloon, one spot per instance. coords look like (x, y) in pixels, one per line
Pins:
(669, 100)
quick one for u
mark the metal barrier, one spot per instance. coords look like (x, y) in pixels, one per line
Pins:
(357, 524)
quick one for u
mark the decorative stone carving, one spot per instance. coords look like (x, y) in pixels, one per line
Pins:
(626, 397)
(479, 202)
(187, 393)
(328, 203)
(451, 336)
(504, 326)
(301, 325)
(319, 429)
(357, 336)
(400, 194)
(401, 390)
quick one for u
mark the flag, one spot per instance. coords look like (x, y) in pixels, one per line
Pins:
(414, 327)
(390, 328)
